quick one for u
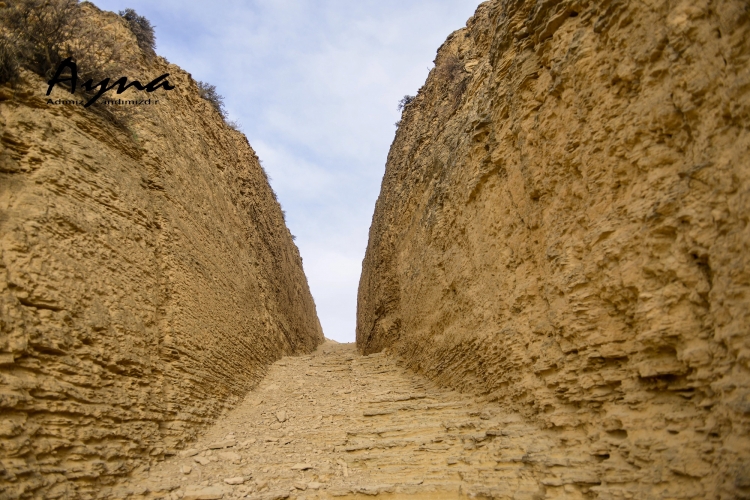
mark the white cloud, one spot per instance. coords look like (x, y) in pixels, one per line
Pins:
(315, 85)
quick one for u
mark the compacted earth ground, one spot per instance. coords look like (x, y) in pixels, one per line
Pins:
(335, 424)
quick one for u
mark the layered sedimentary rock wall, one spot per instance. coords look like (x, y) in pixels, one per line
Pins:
(146, 279)
(563, 226)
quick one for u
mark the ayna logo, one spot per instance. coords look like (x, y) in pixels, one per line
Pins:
(104, 86)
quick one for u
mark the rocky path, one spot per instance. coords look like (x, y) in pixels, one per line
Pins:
(336, 424)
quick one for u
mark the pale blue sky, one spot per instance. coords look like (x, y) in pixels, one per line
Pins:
(315, 85)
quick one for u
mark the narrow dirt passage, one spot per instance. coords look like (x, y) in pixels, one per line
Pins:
(336, 424)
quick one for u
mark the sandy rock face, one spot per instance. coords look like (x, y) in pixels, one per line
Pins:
(146, 280)
(562, 225)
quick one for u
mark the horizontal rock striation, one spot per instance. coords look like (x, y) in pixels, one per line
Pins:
(563, 226)
(146, 280)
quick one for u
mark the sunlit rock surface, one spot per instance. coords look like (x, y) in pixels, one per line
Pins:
(147, 278)
(563, 227)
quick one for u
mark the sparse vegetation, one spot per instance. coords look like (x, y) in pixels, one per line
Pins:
(451, 71)
(402, 105)
(450, 68)
(40, 31)
(209, 93)
(143, 31)
(404, 102)
(39, 34)
(267, 177)
(9, 64)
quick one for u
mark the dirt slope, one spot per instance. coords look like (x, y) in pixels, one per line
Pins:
(146, 280)
(562, 226)
(338, 425)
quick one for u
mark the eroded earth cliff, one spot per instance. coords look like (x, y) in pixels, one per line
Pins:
(563, 227)
(147, 278)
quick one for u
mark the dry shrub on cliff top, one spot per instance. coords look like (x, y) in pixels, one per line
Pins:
(405, 101)
(45, 32)
(451, 71)
(39, 34)
(402, 105)
(142, 29)
(8, 60)
(209, 93)
(234, 125)
(216, 100)
(40, 30)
